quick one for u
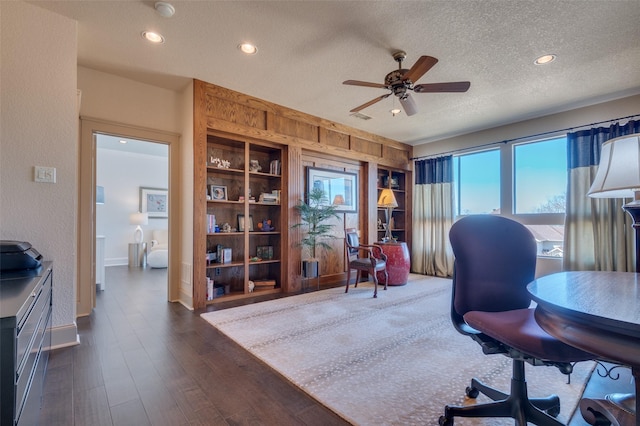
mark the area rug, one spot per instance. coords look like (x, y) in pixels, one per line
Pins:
(394, 360)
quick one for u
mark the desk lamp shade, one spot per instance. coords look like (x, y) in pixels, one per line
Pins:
(388, 201)
(618, 176)
(138, 219)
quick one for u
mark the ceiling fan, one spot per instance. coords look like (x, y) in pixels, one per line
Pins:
(400, 81)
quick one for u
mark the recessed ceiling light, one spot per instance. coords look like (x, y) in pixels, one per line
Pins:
(123, 141)
(248, 48)
(153, 37)
(545, 59)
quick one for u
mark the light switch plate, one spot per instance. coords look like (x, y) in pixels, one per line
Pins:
(44, 174)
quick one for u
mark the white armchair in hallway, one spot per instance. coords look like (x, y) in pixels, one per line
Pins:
(159, 254)
(160, 240)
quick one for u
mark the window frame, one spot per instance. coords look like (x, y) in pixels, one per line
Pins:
(507, 184)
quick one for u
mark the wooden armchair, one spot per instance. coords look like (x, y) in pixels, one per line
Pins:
(363, 257)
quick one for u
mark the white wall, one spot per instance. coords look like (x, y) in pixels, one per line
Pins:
(39, 126)
(122, 174)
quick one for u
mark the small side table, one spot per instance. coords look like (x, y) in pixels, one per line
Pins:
(398, 262)
(137, 255)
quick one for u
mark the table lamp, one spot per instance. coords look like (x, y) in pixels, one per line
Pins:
(388, 201)
(138, 219)
(618, 176)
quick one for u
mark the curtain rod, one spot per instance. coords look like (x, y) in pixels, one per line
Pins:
(523, 137)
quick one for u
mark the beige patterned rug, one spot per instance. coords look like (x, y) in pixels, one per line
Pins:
(394, 360)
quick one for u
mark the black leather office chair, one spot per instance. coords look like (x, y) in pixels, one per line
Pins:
(363, 257)
(495, 259)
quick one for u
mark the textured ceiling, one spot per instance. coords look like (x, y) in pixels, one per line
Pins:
(308, 48)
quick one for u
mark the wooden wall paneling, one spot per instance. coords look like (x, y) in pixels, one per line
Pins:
(371, 208)
(199, 193)
(223, 109)
(295, 184)
(335, 139)
(308, 140)
(366, 147)
(289, 127)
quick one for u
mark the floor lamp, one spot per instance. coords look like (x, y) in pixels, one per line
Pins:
(618, 176)
(388, 201)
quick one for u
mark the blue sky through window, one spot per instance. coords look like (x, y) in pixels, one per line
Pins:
(540, 175)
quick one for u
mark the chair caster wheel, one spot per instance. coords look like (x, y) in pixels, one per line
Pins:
(472, 392)
(553, 411)
(444, 421)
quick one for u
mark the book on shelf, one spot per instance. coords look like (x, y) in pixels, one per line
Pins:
(226, 255)
(275, 167)
(211, 223)
(269, 198)
(264, 283)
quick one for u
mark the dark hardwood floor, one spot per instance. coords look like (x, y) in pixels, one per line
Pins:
(145, 361)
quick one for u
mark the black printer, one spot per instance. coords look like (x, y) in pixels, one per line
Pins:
(18, 256)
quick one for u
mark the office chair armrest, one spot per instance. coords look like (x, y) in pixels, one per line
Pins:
(375, 251)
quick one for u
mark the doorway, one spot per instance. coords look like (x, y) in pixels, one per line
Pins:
(128, 229)
(91, 130)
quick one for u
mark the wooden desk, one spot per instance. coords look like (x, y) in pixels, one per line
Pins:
(598, 312)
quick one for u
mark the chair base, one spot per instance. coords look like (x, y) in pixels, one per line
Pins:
(375, 281)
(516, 405)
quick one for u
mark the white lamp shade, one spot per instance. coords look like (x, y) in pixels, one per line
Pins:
(139, 218)
(618, 174)
(387, 199)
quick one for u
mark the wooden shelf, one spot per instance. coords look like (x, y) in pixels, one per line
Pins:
(240, 184)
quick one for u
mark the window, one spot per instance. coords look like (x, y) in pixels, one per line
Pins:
(525, 181)
(540, 176)
(477, 179)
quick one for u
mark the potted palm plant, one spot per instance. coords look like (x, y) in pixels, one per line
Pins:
(315, 212)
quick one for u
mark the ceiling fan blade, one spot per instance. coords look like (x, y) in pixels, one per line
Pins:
(371, 102)
(364, 83)
(456, 86)
(422, 65)
(409, 105)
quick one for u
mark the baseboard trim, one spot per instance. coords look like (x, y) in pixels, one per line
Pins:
(64, 336)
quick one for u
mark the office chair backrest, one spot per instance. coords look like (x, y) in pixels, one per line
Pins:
(353, 241)
(495, 259)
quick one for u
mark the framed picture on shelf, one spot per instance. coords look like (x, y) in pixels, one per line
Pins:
(340, 188)
(242, 223)
(264, 252)
(218, 192)
(154, 202)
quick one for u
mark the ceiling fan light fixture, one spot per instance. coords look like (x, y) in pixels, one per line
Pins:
(395, 111)
(545, 59)
(153, 37)
(248, 48)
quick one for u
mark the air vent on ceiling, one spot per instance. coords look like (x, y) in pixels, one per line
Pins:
(361, 116)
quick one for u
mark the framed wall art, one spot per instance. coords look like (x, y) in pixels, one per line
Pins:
(154, 202)
(340, 188)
